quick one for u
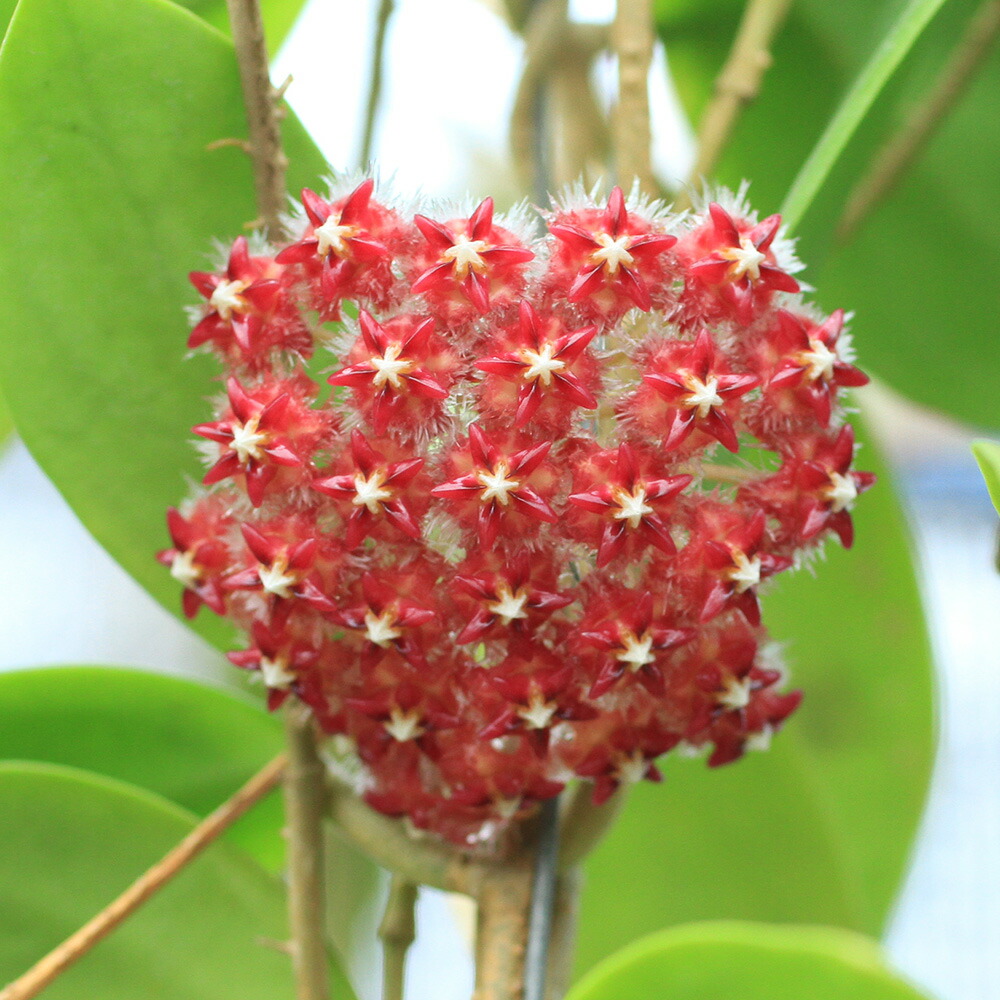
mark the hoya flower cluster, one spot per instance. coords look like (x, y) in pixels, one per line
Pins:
(513, 531)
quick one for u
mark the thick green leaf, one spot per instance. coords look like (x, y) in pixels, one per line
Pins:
(106, 110)
(6, 424)
(820, 827)
(988, 456)
(190, 743)
(743, 961)
(73, 841)
(920, 272)
(6, 10)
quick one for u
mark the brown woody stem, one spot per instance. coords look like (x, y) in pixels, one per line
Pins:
(397, 932)
(78, 944)
(892, 161)
(305, 802)
(503, 896)
(738, 83)
(263, 113)
(632, 40)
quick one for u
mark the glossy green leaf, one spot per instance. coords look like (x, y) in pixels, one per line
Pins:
(6, 10)
(744, 961)
(73, 841)
(6, 424)
(192, 744)
(106, 110)
(988, 456)
(819, 828)
(920, 272)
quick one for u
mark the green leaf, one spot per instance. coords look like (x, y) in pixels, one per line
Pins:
(819, 828)
(988, 456)
(920, 272)
(106, 110)
(859, 99)
(6, 424)
(192, 744)
(73, 841)
(743, 961)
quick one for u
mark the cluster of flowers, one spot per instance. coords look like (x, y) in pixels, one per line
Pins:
(521, 539)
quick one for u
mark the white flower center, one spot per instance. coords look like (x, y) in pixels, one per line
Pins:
(745, 572)
(613, 253)
(380, 629)
(539, 712)
(226, 298)
(276, 579)
(702, 396)
(632, 769)
(635, 652)
(632, 507)
(818, 361)
(275, 672)
(184, 570)
(465, 255)
(248, 440)
(506, 808)
(761, 740)
(333, 236)
(509, 606)
(496, 485)
(736, 694)
(371, 492)
(403, 726)
(746, 260)
(390, 366)
(841, 493)
(541, 364)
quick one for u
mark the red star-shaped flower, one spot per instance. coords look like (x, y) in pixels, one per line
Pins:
(472, 257)
(631, 636)
(732, 568)
(248, 312)
(610, 254)
(701, 393)
(341, 250)
(810, 364)
(740, 262)
(199, 557)
(831, 487)
(375, 489)
(257, 439)
(278, 658)
(540, 361)
(630, 504)
(507, 596)
(497, 485)
(394, 368)
(385, 620)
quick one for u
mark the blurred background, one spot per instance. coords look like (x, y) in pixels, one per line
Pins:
(445, 133)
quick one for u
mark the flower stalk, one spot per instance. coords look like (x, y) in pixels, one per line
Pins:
(632, 41)
(397, 932)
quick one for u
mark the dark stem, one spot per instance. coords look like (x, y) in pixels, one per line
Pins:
(543, 897)
(382, 18)
(263, 114)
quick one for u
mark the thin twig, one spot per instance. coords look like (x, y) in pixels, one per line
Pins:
(737, 85)
(382, 18)
(397, 932)
(304, 809)
(892, 161)
(632, 41)
(95, 930)
(544, 32)
(543, 898)
(263, 114)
